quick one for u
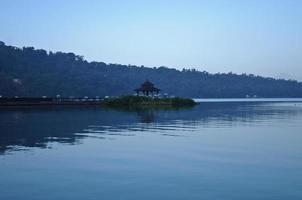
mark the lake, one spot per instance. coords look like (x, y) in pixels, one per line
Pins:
(220, 149)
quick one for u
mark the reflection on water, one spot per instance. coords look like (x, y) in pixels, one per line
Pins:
(38, 127)
(216, 150)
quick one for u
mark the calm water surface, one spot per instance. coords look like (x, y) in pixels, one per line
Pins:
(216, 150)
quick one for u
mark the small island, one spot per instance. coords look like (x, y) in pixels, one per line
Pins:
(148, 96)
(146, 101)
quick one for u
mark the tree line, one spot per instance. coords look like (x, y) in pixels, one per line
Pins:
(30, 72)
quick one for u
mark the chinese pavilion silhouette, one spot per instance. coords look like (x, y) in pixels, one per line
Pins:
(147, 88)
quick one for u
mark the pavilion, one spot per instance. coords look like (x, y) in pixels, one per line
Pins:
(147, 88)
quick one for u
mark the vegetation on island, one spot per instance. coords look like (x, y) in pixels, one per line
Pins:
(145, 101)
(31, 72)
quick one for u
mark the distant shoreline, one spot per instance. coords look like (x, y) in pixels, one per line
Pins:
(213, 100)
(123, 101)
(15, 102)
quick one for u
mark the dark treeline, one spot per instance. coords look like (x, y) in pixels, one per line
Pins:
(35, 72)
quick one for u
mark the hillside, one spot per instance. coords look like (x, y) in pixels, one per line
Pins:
(34, 72)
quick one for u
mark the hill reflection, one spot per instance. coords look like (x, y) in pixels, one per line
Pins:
(38, 127)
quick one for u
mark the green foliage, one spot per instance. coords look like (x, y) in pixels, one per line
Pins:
(139, 101)
(40, 73)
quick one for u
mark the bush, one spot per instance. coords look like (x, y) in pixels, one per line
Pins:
(132, 101)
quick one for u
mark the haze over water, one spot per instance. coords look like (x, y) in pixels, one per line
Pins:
(216, 150)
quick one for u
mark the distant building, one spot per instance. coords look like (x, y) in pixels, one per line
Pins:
(147, 88)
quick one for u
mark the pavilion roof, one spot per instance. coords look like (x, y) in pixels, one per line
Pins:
(147, 86)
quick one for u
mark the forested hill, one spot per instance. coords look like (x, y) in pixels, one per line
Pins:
(35, 72)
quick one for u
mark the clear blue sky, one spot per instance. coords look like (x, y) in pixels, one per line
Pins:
(253, 36)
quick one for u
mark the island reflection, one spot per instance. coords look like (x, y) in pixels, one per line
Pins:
(38, 126)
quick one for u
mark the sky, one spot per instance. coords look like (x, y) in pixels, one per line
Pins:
(262, 37)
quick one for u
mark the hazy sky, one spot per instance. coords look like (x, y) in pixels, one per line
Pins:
(262, 37)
